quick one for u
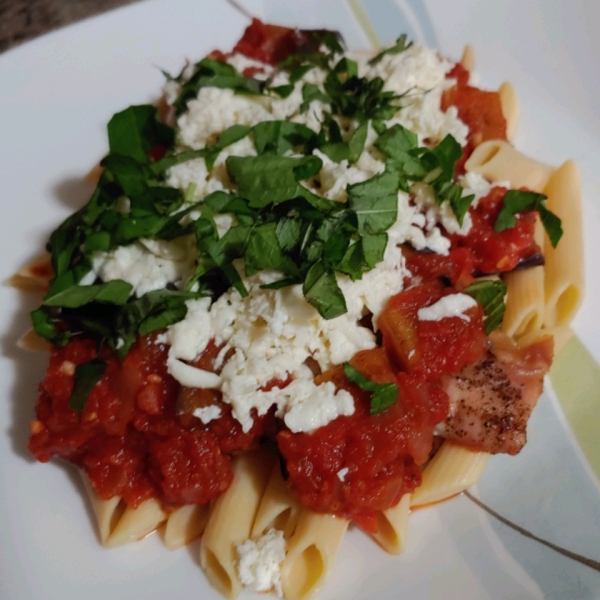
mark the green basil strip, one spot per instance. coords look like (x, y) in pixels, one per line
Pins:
(87, 375)
(383, 395)
(490, 294)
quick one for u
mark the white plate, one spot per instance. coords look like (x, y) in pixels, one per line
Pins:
(57, 94)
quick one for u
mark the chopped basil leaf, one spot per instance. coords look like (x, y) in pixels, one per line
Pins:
(322, 291)
(400, 46)
(310, 93)
(517, 201)
(350, 151)
(264, 252)
(383, 395)
(283, 91)
(268, 179)
(113, 292)
(277, 137)
(134, 131)
(213, 73)
(43, 324)
(155, 310)
(490, 294)
(299, 72)
(375, 203)
(87, 375)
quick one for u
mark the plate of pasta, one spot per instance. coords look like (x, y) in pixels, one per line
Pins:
(305, 309)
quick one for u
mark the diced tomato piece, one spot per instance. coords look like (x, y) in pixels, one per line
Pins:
(497, 252)
(269, 43)
(481, 111)
(459, 73)
(430, 348)
(456, 267)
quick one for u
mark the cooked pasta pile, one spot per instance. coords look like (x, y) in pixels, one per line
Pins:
(319, 281)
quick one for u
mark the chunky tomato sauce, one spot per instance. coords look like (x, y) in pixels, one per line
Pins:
(479, 109)
(138, 438)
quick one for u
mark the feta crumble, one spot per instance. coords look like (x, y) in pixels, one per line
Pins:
(453, 305)
(259, 562)
(207, 413)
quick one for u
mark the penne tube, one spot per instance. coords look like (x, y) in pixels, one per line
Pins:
(497, 160)
(451, 471)
(34, 276)
(120, 524)
(525, 297)
(108, 512)
(185, 524)
(467, 59)
(392, 526)
(32, 342)
(312, 551)
(136, 523)
(277, 510)
(510, 108)
(93, 177)
(231, 519)
(561, 335)
(564, 282)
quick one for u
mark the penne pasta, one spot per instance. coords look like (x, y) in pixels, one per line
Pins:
(185, 524)
(277, 510)
(451, 471)
(564, 270)
(93, 177)
(467, 60)
(392, 526)
(107, 512)
(136, 523)
(525, 297)
(120, 524)
(312, 550)
(560, 335)
(34, 276)
(231, 520)
(497, 160)
(32, 342)
(510, 108)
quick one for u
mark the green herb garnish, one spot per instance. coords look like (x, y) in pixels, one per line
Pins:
(87, 375)
(383, 395)
(490, 294)
(517, 201)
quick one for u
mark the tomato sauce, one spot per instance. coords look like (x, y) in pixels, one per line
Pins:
(129, 438)
(270, 43)
(479, 109)
(382, 453)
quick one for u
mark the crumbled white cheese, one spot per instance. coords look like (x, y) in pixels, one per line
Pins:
(313, 406)
(420, 74)
(341, 474)
(189, 337)
(259, 562)
(476, 184)
(207, 413)
(216, 109)
(453, 305)
(424, 199)
(145, 269)
(191, 376)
